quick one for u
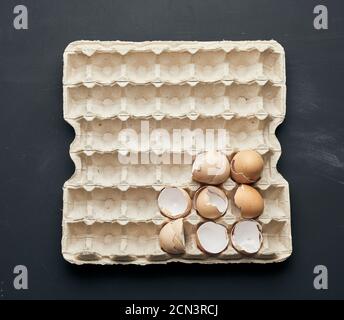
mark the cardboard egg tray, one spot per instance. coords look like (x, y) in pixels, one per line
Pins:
(110, 212)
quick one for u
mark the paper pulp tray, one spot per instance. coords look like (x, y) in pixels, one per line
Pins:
(110, 212)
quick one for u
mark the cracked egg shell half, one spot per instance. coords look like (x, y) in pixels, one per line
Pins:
(249, 201)
(246, 236)
(174, 202)
(247, 166)
(171, 237)
(210, 202)
(211, 167)
(212, 237)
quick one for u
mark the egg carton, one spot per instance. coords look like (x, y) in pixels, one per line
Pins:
(110, 213)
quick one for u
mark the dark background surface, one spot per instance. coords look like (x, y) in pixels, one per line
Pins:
(35, 140)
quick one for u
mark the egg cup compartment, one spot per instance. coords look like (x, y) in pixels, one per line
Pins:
(255, 64)
(174, 65)
(276, 240)
(191, 100)
(156, 63)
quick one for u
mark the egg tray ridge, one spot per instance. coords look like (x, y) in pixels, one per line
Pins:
(109, 212)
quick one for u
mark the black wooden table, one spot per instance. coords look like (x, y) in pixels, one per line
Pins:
(35, 139)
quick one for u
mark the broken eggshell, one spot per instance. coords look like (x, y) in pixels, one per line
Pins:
(246, 236)
(174, 202)
(246, 166)
(171, 237)
(212, 237)
(210, 202)
(249, 201)
(211, 167)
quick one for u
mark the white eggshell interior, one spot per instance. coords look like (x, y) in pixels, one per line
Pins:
(221, 203)
(172, 201)
(212, 237)
(246, 236)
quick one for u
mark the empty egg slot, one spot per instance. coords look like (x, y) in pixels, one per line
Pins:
(210, 99)
(276, 202)
(109, 204)
(108, 170)
(176, 174)
(112, 239)
(141, 238)
(175, 65)
(210, 65)
(204, 134)
(75, 69)
(253, 64)
(140, 66)
(274, 96)
(99, 67)
(98, 135)
(248, 133)
(276, 240)
(272, 65)
(106, 67)
(98, 101)
(256, 99)
(176, 100)
(245, 65)
(141, 100)
(99, 239)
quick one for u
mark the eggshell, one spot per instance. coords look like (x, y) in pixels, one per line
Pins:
(247, 166)
(174, 202)
(172, 238)
(211, 202)
(246, 237)
(249, 201)
(212, 237)
(211, 167)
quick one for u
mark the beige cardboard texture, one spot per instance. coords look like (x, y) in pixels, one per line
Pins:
(110, 212)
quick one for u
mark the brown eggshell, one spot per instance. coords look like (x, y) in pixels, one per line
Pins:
(249, 201)
(247, 166)
(211, 202)
(172, 238)
(211, 167)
